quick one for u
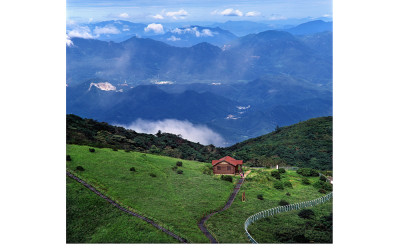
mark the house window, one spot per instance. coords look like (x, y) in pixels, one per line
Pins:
(218, 167)
(228, 168)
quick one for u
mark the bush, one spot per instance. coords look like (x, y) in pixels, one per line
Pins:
(306, 214)
(322, 191)
(179, 163)
(307, 172)
(80, 168)
(132, 169)
(208, 169)
(288, 184)
(322, 178)
(69, 158)
(115, 149)
(180, 171)
(283, 203)
(174, 168)
(153, 175)
(323, 185)
(91, 150)
(288, 194)
(226, 178)
(276, 174)
(281, 170)
(305, 181)
(260, 197)
(278, 185)
(127, 150)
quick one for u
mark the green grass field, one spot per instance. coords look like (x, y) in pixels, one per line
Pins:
(228, 226)
(91, 219)
(175, 201)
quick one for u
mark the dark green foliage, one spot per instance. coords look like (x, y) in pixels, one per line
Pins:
(132, 169)
(290, 235)
(91, 150)
(307, 172)
(260, 197)
(179, 171)
(283, 203)
(276, 174)
(179, 163)
(80, 168)
(153, 175)
(305, 144)
(322, 178)
(115, 149)
(100, 134)
(288, 194)
(208, 169)
(127, 150)
(287, 184)
(281, 170)
(305, 181)
(278, 185)
(226, 178)
(69, 158)
(323, 185)
(322, 191)
(306, 214)
(174, 168)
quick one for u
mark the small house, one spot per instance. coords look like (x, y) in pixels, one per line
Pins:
(227, 165)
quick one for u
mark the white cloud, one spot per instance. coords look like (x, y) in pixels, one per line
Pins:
(81, 32)
(252, 13)
(231, 12)
(158, 16)
(189, 131)
(274, 17)
(69, 42)
(173, 38)
(155, 27)
(124, 15)
(109, 29)
(193, 30)
(181, 14)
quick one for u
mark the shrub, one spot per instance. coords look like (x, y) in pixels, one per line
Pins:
(115, 149)
(323, 185)
(306, 214)
(288, 184)
(278, 185)
(80, 168)
(226, 178)
(322, 191)
(281, 170)
(127, 150)
(208, 169)
(174, 168)
(322, 178)
(153, 175)
(179, 163)
(260, 197)
(283, 203)
(91, 150)
(288, 194)
(307, 172)
(276, 174)
(180, 171)
(305, 181)
(132, 169)
(69, 158)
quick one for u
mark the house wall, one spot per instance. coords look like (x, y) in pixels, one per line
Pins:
(224, 168)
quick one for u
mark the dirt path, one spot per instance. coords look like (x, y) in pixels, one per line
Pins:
(202, 225)
(126, 210)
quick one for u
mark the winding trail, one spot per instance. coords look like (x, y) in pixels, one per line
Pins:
(124, 209)
(202, 225)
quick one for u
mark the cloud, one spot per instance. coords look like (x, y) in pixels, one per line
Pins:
(274, 17)
(188, 130)
(155, 27)
(158, 16)
(173, 38)
(181, 14)
(231, 12)
(69, 42)
(252, 13)
(124, 15)
(81, 32)
(193, 30)
(108, 29)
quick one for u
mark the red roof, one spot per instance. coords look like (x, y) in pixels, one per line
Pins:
(229, 160)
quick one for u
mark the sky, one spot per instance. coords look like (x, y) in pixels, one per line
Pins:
(200, 10)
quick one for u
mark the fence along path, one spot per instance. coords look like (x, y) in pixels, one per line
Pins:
(124, 209)
(281, 209)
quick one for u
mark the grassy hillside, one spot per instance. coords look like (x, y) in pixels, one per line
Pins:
(155, 189)
(228, 226)
(305, 144)
(91, 219)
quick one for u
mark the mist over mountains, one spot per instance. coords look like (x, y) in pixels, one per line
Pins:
(237, 87)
